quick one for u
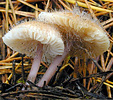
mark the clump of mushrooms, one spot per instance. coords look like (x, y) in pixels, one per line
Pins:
(79, 32)
(38, 40)
(74, 30)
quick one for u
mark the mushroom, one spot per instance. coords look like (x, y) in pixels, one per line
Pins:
(79, 31)
(35, 39)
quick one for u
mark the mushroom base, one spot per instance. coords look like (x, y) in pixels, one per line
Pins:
(53, 67)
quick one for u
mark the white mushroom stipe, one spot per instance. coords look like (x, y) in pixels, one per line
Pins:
(36, 63)
(53, 67)
(35, 39)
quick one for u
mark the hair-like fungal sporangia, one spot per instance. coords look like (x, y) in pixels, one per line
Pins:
(79, 31)
(36, 39)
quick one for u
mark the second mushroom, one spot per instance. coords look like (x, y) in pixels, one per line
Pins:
(79, 31)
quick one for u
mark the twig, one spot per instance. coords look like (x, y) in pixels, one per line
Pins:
(46, 8)
(23, 13)
(30, 5)
(15, 54)
(65, 5)
(13, 11)
(13, 74)
(17, 58)
(23, 72)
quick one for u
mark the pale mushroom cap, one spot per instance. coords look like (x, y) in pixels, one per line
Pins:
(25, 37)
(84, 32)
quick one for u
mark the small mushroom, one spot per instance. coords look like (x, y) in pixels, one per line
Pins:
(35, 39)
(79, 32)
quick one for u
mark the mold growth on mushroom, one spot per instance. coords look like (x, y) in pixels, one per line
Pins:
(23, 38)
(55, 35)
(79, 32)
(35, 39)
(80, 29)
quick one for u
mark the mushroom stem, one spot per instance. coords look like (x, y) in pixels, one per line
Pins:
(36, 64)
(53, 67)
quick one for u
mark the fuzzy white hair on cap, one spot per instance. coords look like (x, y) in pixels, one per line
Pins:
(83, 31)
(25, 37)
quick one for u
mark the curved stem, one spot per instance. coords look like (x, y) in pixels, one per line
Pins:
(36, 64)
(52, 68)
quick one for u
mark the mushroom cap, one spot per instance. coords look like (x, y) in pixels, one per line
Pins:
(26, 36)
(80, 29)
